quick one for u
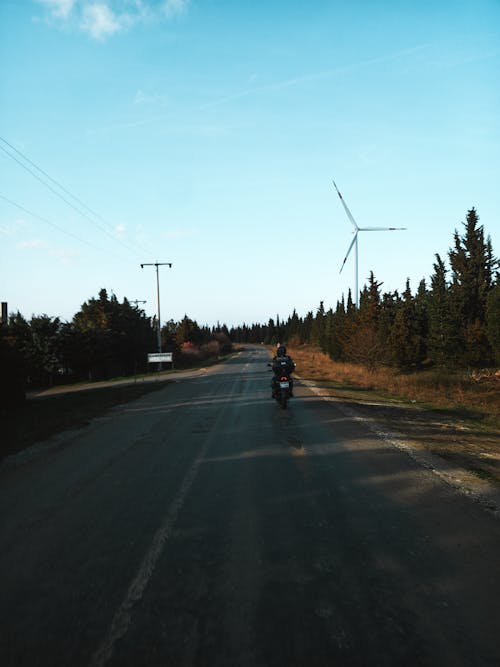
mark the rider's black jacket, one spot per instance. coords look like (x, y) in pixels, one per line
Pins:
(283, 365)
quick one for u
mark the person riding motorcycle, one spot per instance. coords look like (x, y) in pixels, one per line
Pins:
(282, 364)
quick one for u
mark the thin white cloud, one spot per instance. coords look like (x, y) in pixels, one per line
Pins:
(101, 19)
(63, 255)
(120, 230)
(59, 9)
(12, 228)
(30, 244)
(173, 8)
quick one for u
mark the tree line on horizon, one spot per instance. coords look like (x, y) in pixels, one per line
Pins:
(104, 339)
(452, 323)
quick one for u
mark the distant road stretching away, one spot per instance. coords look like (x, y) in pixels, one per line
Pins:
(203, 525)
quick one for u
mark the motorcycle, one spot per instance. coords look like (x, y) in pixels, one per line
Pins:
(282, 388)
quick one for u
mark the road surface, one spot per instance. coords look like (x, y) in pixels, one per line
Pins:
(203, 525)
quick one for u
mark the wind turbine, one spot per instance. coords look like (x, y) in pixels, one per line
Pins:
(354, 242)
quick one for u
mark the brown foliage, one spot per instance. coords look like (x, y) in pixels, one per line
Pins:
(432, 386)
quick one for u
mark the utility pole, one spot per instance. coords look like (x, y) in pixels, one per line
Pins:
(136, 301)
(157, 264)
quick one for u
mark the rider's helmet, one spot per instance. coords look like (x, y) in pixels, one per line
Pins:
(281, 351)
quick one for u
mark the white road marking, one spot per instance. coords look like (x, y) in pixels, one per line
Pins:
(123, 616)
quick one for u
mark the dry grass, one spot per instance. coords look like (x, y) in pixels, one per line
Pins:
(461, 391)
(455, 416)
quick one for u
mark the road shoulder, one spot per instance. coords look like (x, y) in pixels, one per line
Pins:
(463, 455)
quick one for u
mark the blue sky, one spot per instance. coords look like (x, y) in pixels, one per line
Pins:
(207, 133)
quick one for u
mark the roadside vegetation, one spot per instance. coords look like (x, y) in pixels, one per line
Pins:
(437, 345)
(452, 414)
(465, 394)
(104, 339)
(423, 362)
(451, 325)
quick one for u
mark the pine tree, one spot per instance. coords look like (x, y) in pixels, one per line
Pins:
(361, 340)
(306, 327)
(422, 315)
(188, 331)
(318, 328)
(493, 321)
(442, 340)
(369, 302)
(329, 336)
(293, 329)
(472, 265)
(336, 332)
(389, 307)
(404, 337)
(350, 308)
(271, 337)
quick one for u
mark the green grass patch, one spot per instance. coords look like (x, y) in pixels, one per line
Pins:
(483, 474)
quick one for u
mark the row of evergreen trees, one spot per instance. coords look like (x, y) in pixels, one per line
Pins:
(453, 322)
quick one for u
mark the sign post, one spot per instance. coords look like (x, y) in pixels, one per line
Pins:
(158, 324)
(160, 357)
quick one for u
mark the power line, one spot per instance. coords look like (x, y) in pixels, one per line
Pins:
(53, 180)
(126, 245)
(58, 194)
(61, 229)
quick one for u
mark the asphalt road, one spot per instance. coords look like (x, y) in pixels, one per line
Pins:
(203, 525)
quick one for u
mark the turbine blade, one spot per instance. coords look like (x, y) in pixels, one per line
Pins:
(380, 229)
(350, 248)
(349, 214)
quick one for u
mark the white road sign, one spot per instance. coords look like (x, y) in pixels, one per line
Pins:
(159, 357)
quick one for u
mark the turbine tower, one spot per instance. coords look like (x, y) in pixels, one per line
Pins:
(354, 242)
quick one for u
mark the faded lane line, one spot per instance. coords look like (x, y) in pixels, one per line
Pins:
(123, 616)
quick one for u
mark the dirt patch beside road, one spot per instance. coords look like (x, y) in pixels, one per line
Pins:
(460, 426)
(462, 452)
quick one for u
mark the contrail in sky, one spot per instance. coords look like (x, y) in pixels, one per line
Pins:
(287, 83)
